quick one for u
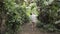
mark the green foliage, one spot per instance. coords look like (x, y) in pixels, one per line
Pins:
(16, 14)
(48, 15)
(32, 8)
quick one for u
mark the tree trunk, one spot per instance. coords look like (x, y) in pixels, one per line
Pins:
(2, 18)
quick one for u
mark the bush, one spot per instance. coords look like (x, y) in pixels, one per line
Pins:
(16, 16)
(48, 15)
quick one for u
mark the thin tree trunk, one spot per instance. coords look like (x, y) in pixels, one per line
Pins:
(2, 18)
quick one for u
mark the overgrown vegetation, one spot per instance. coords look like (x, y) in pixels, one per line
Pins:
(48, 15)
(18, 12)
(16, 15)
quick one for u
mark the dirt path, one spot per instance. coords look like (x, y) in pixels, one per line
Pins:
(27, 29)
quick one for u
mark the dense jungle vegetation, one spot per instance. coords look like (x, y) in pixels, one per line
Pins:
(15, 13)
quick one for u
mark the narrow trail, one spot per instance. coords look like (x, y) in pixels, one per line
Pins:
(27, 29)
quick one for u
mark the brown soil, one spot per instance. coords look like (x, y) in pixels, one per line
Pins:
(27, 29)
